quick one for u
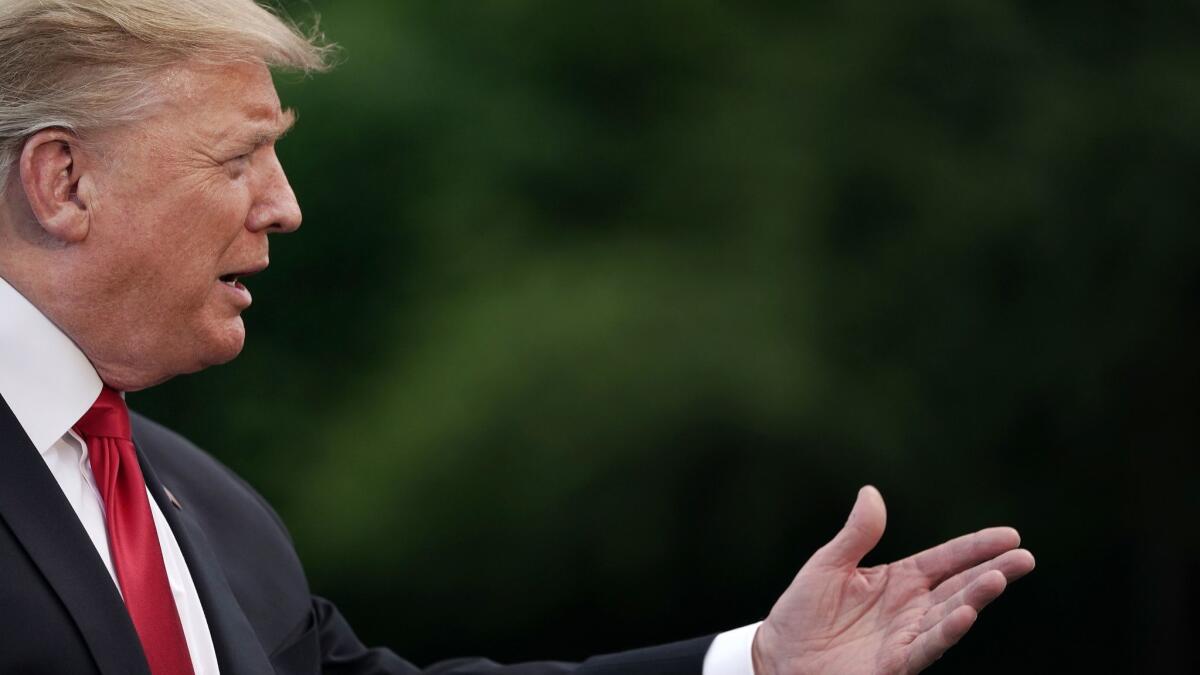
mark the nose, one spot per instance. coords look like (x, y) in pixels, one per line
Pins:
(275, 208)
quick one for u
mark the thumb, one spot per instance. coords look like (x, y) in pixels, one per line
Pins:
(859, 535)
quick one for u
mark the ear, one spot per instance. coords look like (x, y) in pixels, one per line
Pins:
(50, 172)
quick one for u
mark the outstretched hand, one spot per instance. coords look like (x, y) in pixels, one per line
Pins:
(837, 618)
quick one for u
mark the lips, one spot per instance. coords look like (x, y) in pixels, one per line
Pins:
(232, 279)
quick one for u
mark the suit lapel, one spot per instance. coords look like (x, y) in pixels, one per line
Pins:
(238, 650)
(41, 518)
(38, 513)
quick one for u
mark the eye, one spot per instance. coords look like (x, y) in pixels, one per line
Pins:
(238, 165)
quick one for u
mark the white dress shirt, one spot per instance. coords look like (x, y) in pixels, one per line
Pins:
(49, 384)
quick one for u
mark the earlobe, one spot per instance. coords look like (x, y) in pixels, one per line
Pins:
(50, 174)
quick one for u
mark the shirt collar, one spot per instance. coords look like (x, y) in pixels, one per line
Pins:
(46, 381)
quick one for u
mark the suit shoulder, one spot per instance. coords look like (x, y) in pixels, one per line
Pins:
(245, 535)
(180, 462)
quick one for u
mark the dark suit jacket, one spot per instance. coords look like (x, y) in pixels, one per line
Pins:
(60, 613)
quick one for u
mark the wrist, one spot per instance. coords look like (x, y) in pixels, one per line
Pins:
(757, 659)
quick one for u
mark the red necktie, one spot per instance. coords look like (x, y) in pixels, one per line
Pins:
(132, 539)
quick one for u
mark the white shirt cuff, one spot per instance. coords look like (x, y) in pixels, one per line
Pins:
(729, 653)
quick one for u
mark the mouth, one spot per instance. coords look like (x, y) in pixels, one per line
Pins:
(233, 279)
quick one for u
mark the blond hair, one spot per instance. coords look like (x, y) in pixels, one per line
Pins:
(91, 64)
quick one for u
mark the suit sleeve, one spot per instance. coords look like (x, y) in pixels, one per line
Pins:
(302, 634)
(343, 654)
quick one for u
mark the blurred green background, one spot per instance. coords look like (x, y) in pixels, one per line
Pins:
(602, 310)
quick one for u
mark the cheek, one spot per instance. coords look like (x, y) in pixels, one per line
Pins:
(160, 252)
(198, 240)
(174, 280)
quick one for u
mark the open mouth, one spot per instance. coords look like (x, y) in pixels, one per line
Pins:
(234, 279)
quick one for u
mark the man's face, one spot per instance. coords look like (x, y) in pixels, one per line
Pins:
(181, 208)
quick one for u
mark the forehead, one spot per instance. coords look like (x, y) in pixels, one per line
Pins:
(216, 101)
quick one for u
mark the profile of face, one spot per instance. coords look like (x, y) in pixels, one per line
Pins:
(173, 214)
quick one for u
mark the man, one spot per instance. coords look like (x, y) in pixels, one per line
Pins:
(140, 187)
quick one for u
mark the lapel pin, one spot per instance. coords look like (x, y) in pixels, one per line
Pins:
(171, 498)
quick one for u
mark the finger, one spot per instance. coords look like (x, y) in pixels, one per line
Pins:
(930, 645)
(976, 595)
(860, 534)
(961, 553)
(1013, 564)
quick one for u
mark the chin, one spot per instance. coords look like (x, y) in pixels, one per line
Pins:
(224, 345)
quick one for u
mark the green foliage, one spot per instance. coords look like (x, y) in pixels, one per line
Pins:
(602, 310)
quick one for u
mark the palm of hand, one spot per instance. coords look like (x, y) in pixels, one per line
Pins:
(839, 619)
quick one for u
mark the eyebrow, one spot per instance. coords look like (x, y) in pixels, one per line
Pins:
(269, 136)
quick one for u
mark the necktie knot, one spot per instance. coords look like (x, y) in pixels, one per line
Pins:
(108, 417)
